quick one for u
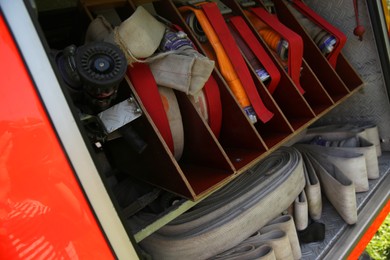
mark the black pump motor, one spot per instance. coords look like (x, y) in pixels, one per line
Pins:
(92, 72)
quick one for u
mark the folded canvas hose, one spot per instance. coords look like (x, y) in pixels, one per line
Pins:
(275, 239)
(233, 213)
(248, 251)
(339, 189)
(351, 163)
(350, 142)
(312, 190)
(368, 131)
(207, 101)
(183, 68)
(257, 16)
(301, 216)
(285, 223)
(229, 59)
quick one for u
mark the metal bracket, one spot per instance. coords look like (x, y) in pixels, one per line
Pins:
(120, 114)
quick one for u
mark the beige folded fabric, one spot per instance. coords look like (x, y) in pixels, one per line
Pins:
(351, 163)
(338, 188)
(286, 224)
(372, 135)
(278, 240)
(183, 67)
(368, 131)
(275, 239)
(186, 73)
(312, 190)
(346, 140)
(301, 212)
(369, 152)
(247, 252)
(139, 35)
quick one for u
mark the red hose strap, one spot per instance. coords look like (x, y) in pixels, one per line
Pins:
(340, 37)
(219, 25)
(295, 49)
(250, 39)
(143, 81)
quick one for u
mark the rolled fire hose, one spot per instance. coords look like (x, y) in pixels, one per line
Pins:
(233, 213)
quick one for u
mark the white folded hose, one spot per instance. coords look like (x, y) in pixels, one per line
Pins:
(233, 213)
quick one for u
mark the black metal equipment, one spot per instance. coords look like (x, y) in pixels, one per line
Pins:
(93, 73)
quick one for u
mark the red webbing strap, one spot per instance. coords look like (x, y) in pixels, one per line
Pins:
(219, 25)
(295, 48)
(250, 39)
(340, 37)
(143, 81)
(214, 106)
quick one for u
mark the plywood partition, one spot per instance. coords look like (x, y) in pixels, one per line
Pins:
(316, 95)
(238, 137)
(349, 76)
(201, 151)
(277, 129)
(237, 133)
(292, 103)
(337, 82)
(162, 170)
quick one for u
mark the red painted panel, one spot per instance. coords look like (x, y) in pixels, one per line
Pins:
(43, 211)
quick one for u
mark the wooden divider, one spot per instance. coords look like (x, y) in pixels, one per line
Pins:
(348, 74)
(203, 166)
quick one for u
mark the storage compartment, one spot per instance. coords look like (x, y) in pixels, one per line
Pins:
(209, 161)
